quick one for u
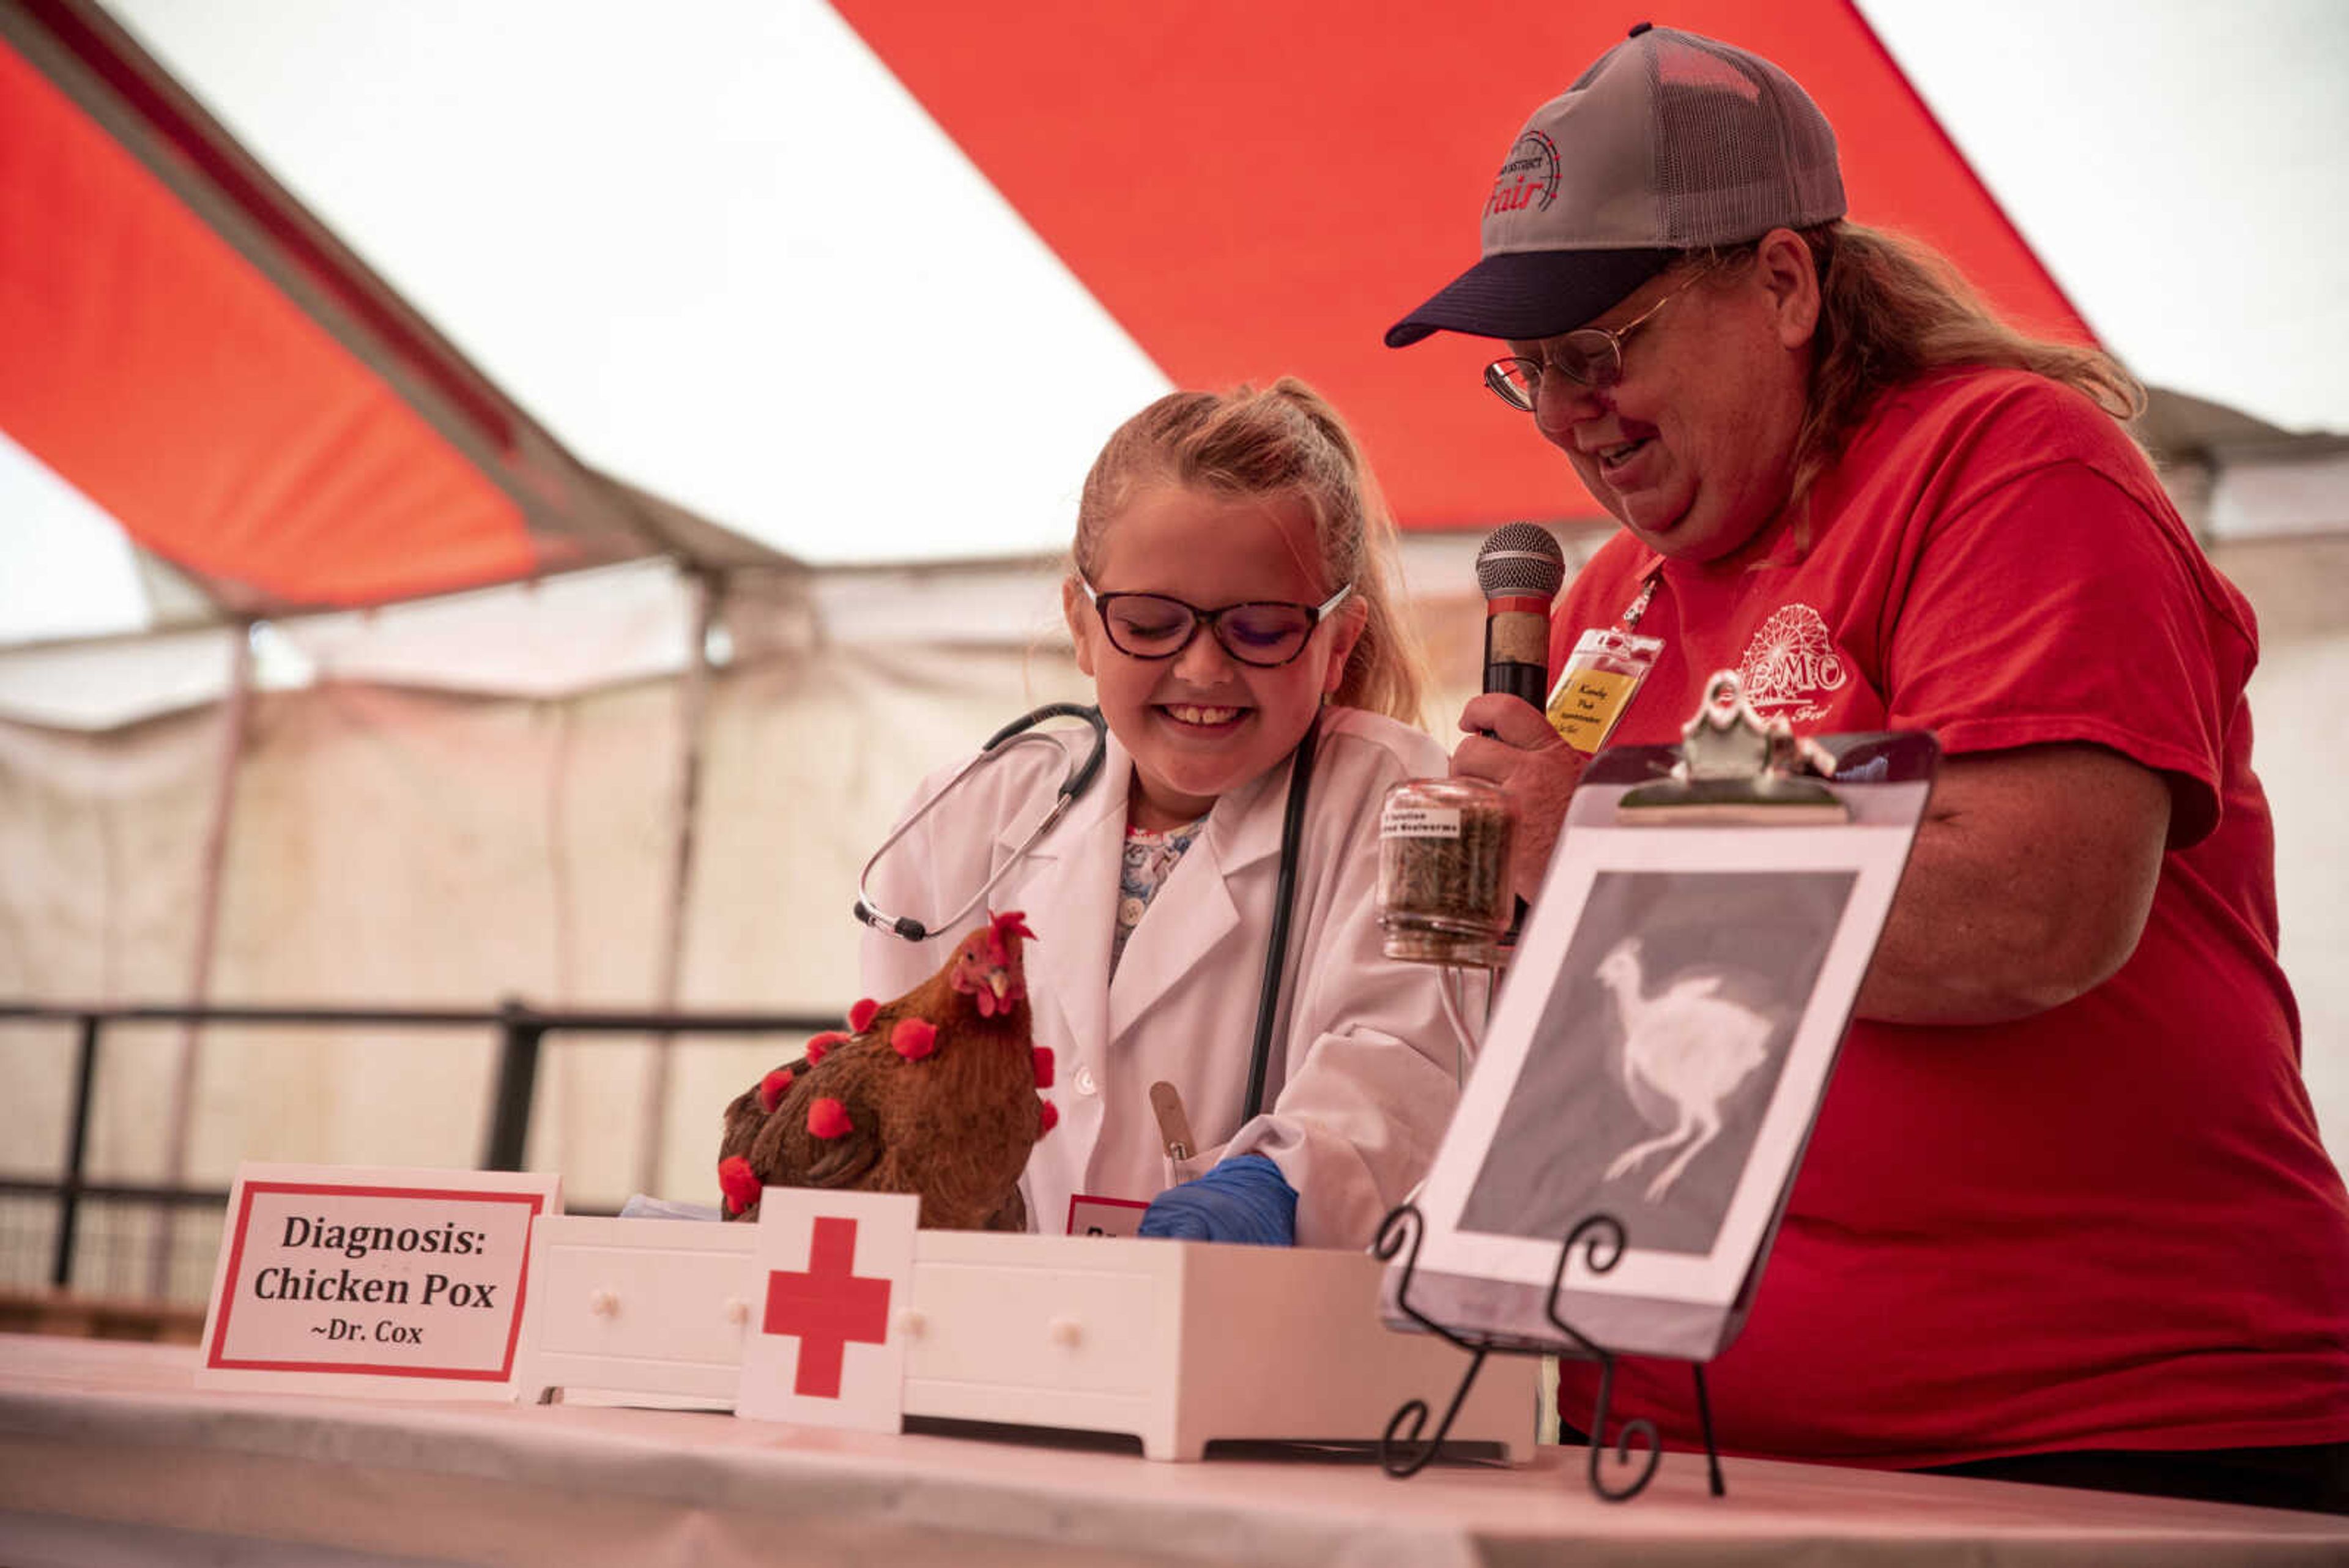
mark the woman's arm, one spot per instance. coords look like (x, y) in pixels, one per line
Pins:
(2030, 883)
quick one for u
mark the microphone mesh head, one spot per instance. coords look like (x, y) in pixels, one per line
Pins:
(1520, 559)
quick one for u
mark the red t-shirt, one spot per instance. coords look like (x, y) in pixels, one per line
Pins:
(2110, 1225)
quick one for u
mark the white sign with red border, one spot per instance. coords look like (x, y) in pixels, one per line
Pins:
(1091, 1216)
(350, 1280)
(830, 1309)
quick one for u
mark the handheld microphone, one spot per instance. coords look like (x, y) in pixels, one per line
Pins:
(1520, 568)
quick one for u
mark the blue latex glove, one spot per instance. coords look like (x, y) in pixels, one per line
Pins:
(1244, 1198)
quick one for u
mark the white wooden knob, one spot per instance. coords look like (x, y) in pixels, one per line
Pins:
(1065, 1330)
(912, 1323)
(737, 1310)
(604, 1303)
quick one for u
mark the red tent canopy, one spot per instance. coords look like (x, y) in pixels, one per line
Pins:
(1249, 190)
(193, 352)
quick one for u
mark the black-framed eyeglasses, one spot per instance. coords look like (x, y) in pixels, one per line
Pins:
(1592, 356)
(1266, 633)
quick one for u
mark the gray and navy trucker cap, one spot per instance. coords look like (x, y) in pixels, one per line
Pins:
(1670, 143)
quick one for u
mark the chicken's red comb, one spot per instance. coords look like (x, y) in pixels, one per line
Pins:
(1001, 927)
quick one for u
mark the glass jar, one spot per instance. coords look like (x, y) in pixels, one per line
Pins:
(1443, 871)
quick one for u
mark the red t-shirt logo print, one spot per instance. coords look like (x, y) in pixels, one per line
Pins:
(828, 1307)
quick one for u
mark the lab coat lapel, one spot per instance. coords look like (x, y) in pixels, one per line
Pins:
(1196, 910)
(1073, 906)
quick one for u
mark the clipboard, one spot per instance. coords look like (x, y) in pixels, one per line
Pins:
(1622, 1155)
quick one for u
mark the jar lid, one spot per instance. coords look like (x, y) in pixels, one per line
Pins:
(1460, 792)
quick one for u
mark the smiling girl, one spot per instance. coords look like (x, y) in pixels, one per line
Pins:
(1231, 597)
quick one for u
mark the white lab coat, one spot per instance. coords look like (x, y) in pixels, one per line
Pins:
(1361, 1078)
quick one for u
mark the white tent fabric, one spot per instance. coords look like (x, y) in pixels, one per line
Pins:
(410, 846)
(416, 849)
(2182, 169)
(71, 573)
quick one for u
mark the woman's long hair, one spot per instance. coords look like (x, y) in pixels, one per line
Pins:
(1890, 311)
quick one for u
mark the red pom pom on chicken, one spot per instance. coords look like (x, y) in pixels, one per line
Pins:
(935, 1094)
(913, 1038)
(827, 1118)
(737, 1182)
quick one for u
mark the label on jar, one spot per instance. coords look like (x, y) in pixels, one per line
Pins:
(1403, 821)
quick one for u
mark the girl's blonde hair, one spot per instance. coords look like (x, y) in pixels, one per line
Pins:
(1282, 440)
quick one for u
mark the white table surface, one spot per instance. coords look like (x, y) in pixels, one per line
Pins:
(109, 1454)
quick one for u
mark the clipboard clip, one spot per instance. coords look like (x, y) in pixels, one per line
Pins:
(1736, 766)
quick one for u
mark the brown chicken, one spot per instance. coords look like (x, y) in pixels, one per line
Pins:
(933, 1094)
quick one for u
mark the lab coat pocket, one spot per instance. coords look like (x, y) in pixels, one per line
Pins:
(1179, 1171)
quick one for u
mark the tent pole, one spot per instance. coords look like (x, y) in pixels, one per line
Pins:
(179, 1120)
(693, 701)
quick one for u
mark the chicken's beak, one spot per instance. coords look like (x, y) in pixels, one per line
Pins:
(998, 981)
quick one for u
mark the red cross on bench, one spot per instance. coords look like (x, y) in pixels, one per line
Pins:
(828, 1307)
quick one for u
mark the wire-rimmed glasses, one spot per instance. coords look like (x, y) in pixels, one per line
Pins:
(1266, 633)
(1592, 356)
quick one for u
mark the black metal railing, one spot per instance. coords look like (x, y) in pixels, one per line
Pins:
(522, 1030)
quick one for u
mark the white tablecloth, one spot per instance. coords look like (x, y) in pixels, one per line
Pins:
(109, 1454)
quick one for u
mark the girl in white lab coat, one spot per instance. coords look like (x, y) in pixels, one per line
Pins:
(1232, 578)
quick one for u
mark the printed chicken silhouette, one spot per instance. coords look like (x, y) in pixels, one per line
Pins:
(933, 1094)
(1685, 1051)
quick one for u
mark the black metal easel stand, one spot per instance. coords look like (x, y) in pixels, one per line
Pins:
(1601, 1237)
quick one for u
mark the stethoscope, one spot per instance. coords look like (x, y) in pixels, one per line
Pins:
(1078, 778)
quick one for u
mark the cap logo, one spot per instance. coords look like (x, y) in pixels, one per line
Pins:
(1528, 176)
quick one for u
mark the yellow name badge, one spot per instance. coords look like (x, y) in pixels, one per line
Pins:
(1585, 705)
(1601, 677)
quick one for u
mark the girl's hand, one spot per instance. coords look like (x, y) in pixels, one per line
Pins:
(1511, 744)
(1244, 1198)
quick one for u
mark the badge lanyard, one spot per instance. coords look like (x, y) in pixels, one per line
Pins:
(1604, 673)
